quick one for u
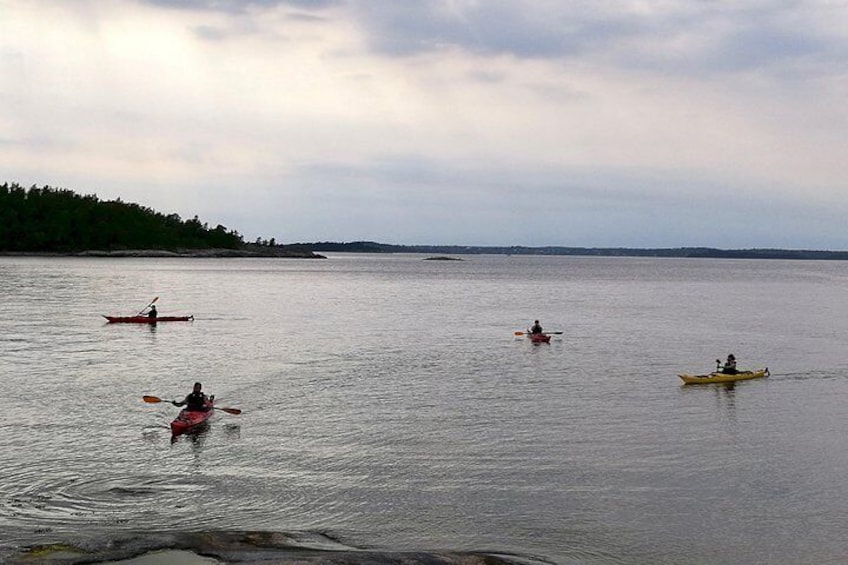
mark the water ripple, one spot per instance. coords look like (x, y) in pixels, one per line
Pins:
(386, 400)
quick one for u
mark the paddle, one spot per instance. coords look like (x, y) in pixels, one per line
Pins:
(148, 306)
(720, 369)
(527, 333)
(155, 399)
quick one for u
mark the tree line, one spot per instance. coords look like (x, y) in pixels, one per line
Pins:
(55, 220)
(684, 252)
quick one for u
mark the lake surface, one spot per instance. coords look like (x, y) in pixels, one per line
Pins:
(388, 405)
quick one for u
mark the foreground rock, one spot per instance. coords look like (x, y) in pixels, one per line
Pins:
(268, 548)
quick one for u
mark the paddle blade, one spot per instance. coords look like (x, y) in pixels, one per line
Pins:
(519, 333)
(235, 411)
(151, 399)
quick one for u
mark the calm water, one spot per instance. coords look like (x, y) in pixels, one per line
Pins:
(387, 404)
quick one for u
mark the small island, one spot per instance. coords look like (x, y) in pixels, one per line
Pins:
(443, 258)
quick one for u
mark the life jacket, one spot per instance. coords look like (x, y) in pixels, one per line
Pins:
(196, 401)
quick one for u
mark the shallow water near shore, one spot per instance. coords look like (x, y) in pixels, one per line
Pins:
(388, 406)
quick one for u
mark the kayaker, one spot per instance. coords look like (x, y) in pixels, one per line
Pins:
(153, 313)
(196, 401)
(537, 328)
(729, 367)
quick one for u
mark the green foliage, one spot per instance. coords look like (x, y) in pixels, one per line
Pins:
(51, 220)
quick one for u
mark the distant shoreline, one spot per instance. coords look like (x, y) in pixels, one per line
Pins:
(680, 252)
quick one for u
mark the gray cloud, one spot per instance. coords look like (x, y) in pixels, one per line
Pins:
(493, 27)
(684, 36)
(753, 47)
(671, 36)
(239, 6)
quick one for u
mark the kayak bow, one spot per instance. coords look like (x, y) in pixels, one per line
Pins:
(188, 420)
(539, 338)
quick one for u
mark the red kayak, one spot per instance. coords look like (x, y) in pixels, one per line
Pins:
(146, 319)
(188, 420)
(539, 338)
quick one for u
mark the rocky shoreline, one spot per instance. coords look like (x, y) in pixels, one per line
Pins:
(258, 252)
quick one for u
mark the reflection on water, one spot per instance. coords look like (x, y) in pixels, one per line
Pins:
(232, 431)
(152, 434)
(726, 405)
(195, 436)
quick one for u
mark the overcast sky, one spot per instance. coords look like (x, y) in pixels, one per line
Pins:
(638, 123)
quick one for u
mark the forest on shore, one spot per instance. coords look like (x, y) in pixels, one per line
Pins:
(60, 221)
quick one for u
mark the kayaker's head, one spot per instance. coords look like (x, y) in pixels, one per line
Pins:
(731, 356)
(197, 387)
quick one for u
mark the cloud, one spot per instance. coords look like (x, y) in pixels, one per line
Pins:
(239, 6)
(700, 36)
(454, 121)
(550, 29)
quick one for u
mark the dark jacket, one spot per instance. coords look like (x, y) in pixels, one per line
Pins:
(195, 401)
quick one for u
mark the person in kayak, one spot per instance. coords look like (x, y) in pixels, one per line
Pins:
(729, 367)
(196, 401)
(153, 313)
(536, 328)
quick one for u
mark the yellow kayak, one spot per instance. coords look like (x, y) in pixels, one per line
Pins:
(723, 377)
